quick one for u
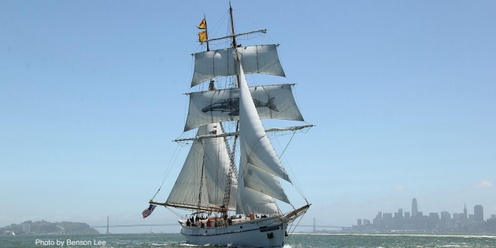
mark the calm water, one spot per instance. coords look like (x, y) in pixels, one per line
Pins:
(294, 241)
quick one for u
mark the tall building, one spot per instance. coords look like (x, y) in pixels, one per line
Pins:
(445, 215)
(414, 208)
(479, 213)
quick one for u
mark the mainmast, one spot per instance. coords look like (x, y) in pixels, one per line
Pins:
(234, 44)
(227, 190)
(232, 27)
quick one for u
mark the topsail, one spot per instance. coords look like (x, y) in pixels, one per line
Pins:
(255, 59)
(271, 101)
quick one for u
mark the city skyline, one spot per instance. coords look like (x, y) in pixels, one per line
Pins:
(416, 220)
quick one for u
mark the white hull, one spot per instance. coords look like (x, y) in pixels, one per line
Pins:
(264, 232)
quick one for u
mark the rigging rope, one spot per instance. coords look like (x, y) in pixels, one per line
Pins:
(294, 228)
(169, 168)
(293, 179)
(287, 145)
(178, 215)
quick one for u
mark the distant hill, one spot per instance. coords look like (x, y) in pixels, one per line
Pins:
(45, 227)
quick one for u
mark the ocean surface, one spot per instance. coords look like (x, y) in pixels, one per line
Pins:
(294, 241)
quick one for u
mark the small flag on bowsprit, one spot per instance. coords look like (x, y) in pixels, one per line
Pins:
(148, 211)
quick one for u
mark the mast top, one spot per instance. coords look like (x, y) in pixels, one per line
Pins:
(232, 25)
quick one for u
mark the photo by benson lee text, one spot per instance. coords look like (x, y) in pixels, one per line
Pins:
(68, 242)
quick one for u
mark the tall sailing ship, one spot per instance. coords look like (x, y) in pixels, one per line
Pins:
(235, 204)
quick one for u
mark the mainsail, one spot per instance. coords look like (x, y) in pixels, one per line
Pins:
(202, 180)
(255, 59)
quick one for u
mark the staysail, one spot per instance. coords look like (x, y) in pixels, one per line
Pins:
(255, 59)
(260, 166)
(271, 101)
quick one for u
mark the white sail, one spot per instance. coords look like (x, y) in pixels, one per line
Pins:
(190, 188)
(202, 180)
(255, 59)
(259, 180)
(251, 201)
(271, 101)
(217, 162)
(259, 164)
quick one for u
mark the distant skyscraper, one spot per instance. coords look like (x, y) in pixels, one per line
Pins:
(445, 215)
(414, 208)
(479, 213)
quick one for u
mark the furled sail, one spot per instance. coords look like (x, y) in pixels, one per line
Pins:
(255, 59)
(202, 180)
(260, 166)
(271, 102)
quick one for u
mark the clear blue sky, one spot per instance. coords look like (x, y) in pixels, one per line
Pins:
(403, 94)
